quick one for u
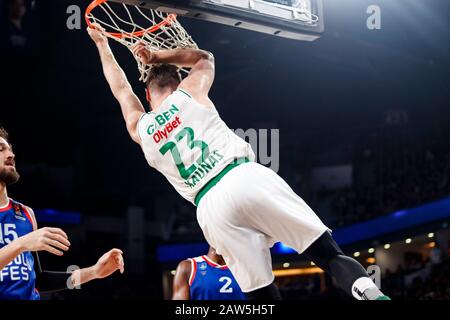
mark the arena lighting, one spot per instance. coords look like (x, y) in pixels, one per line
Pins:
(296, 272)
(286, 265)
(281, 248)
(312, 263)
(173, 272)
(431, 244)
(408, 241)
(371, 250)
(356, 254)
(371, 260)
(387, 246)
(431, 235)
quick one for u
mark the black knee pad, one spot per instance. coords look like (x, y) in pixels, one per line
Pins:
(323, 251)
(327, 254)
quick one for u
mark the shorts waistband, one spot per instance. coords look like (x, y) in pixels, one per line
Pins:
(211, 183)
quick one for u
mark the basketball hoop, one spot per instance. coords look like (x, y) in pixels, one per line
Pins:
(122, 23)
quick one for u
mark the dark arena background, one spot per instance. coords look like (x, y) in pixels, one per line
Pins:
(357, 122)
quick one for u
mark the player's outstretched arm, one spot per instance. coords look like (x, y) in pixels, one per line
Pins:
(200, 78)
(52, 240)
(181, 289)
(50, 281)
(108, 263)
(132, 108)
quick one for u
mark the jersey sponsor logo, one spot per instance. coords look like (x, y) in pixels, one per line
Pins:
(165, 122)
(17, 270)
(161, 119)
(18, 213)
(202, 267)
(168, 128)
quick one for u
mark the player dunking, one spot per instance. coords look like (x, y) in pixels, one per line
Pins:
(242, 207)
(20, 239)
(205, 278)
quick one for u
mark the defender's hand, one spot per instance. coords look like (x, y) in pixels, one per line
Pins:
(140, 51)
(97, 34)
(53, 240)
(109, 263)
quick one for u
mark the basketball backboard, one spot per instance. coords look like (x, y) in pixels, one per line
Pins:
(294, 19)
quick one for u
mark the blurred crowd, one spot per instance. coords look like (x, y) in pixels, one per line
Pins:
(18, 33)
(418, 280)
(403, 183)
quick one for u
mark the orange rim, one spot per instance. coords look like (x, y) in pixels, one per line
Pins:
(167, 21)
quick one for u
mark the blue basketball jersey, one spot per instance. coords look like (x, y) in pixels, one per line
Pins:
(210, 281)
(17, 279)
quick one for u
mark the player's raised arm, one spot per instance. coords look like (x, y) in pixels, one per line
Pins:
(132, 108)
(181, 290)
(201, 77)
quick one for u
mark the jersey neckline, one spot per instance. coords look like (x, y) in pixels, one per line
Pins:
(6, 207)
(213, 264)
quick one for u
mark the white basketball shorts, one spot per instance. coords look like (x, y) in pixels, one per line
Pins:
(249, 210)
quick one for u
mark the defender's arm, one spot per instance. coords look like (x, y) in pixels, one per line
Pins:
(181, 290)
(48, 281)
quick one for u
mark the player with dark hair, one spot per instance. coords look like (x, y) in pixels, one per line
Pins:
(243, 208)
(20, 240)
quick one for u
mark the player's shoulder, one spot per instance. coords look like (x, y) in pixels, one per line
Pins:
(144, 120)
(183, 93)
(179, 97)
(18, 203)
(185, 265)
(27, 209)
(186, 94)
(184, 269)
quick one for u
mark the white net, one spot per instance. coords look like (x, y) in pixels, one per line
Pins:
(123, 22)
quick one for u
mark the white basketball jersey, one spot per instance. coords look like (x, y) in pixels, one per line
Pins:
(189, 143)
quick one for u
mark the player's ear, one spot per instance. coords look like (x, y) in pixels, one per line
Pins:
(147, 95)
